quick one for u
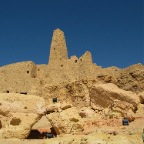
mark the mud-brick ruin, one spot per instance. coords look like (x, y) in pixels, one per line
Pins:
(85, 92)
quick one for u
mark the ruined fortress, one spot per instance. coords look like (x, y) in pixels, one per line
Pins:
(86, 92)
(61, 72)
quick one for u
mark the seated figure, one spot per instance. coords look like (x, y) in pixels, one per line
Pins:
(54, 100)
(125, 121)
(49, 135)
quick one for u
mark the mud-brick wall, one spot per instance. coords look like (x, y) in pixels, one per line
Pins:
(18, 77)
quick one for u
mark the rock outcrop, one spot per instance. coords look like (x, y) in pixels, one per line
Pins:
(18, 113)
(141, 96)
(109, 96)
(66, 122)
(132, 78)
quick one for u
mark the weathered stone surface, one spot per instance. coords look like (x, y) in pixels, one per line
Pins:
(110, 96)
(75, 93)
(140, 111)
(79, 94)
(18, 113)
(55, 107)
(66, 122)
(58, 107)
(86, 112)
(131, 78)
(43, 125)
(65, 105)
(141, 96)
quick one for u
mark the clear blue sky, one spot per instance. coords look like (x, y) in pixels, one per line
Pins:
(112, 30)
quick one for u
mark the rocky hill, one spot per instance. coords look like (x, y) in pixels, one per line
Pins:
(91, 99)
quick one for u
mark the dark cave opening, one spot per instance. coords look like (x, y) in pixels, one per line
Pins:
(35, 134)
(142, 102)
(25, 93)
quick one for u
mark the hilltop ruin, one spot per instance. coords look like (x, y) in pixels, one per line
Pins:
(89, 96)
(29, 78)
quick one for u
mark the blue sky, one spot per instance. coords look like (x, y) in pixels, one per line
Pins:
(112, 30)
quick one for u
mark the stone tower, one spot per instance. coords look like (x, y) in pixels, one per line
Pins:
(58, 50)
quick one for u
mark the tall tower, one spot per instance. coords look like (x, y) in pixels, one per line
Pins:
(58, 50)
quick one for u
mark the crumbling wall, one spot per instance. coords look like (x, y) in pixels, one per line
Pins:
(18, 77)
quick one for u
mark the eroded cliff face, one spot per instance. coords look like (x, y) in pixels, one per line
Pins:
(90, 91)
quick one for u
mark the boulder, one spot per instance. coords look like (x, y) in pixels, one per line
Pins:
(86, 112)
(66, 122)
(55, 107)
(109, 96)
(18, 113)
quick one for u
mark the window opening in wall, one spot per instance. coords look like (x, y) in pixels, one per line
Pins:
(25, 93)
(7, 91)
(75, 61)
(27, 71)
(54, 100)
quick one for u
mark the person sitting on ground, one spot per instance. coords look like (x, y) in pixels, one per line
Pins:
(125, 121)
